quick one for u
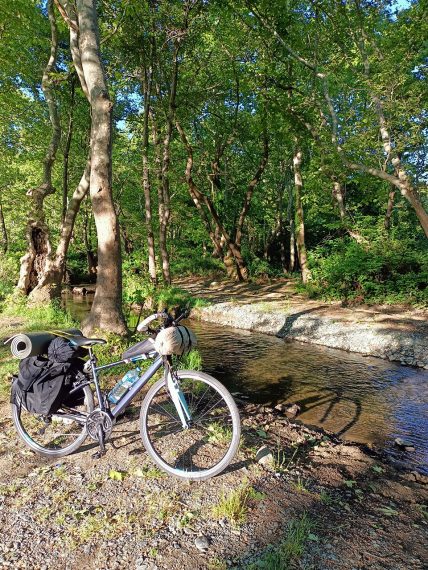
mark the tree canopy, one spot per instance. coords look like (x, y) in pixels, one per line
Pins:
(249, 137)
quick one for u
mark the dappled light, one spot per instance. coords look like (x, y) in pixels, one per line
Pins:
(258, 171)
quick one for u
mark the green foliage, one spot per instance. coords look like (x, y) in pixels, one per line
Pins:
(190, 361)
(382, 270)
(263, 268)
(139, 290)
(8, 276)
(237, 75)
(192, 261)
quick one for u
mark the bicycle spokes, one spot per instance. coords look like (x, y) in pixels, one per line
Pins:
(207, 438)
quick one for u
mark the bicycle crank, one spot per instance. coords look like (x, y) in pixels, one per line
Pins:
(96, 420)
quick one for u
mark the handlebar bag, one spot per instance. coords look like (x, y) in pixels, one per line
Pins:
(175, 340)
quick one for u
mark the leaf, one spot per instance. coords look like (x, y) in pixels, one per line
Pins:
(388, 511)
(117, 475)
(377, 469)
(350, 483)
(313, 537)
(262, 433)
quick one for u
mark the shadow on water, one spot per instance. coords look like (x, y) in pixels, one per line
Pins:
(363, 399)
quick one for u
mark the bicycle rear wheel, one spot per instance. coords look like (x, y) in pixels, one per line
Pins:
(205, 448)
(56, 435)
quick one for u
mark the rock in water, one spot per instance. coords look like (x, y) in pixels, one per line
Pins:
(404, 444)
(79, 291)
(292, 411)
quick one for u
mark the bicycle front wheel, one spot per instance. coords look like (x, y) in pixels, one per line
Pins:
(208, 445)
(56, 435)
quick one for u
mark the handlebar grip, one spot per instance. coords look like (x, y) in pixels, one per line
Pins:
(143, 326)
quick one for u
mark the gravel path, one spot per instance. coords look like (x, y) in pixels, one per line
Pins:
(314, 501)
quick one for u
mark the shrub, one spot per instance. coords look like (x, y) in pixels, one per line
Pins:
(192, 261)
(384, 270)
(262, 268)
(8, 276)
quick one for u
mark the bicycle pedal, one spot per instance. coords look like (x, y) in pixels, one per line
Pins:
(99, 454)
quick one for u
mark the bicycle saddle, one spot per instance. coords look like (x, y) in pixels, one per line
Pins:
(83, 341)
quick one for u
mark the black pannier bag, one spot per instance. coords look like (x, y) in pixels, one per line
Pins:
(43, 384)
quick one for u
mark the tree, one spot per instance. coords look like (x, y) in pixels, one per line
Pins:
(106, 310)
(37, 232)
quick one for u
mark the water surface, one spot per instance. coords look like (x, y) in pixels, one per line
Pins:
(363, 399)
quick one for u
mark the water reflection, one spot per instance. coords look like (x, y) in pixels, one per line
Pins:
(362, 399)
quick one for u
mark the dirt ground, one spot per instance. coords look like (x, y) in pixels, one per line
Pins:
(281, 294)
(352, 510)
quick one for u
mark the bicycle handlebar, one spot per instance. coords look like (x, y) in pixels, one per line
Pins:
(144, 325)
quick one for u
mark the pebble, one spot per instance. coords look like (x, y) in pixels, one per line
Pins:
(202, 543)
(264, 455)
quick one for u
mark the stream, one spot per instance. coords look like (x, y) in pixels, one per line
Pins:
(363, 399)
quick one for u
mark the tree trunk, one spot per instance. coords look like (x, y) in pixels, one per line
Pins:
(49, 285)
(233, 260)
(147, 89)
(242, 270)
(389, 209)
(292, 263)
(164, 193)
(106, 311)
(300, 229)
(338, 195)
(67, 151)
(4, 237)
(250, 190)
(37, 232)
(90, 255)
(290, 221)
(401, 180)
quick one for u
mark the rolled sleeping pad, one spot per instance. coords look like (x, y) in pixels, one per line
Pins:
(35, 343)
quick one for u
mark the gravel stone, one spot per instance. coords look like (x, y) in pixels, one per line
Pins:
(202, 543)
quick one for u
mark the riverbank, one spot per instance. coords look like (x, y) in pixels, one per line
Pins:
(395, 333)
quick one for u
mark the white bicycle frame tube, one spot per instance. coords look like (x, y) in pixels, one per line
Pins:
(178, 399)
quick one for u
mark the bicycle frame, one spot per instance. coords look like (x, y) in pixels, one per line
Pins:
(176, 394)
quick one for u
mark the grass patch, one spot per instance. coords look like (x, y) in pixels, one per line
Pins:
(290, 550)
(234, 505)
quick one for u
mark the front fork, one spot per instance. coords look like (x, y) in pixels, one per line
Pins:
(177, 397)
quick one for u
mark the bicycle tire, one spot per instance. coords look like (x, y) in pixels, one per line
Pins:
(27, 424)
(167, 448)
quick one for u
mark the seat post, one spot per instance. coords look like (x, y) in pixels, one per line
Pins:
(93, 361)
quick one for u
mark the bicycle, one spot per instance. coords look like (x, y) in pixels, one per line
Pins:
(189, 422)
